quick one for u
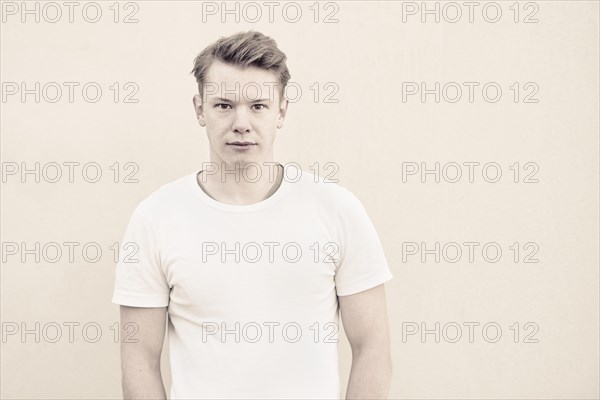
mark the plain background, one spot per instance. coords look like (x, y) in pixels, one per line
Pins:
(369, 133)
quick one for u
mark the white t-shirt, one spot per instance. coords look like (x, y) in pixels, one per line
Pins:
(252, 289)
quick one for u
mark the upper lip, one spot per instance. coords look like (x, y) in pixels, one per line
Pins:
(241, 143)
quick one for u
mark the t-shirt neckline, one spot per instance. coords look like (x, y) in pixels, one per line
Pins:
(234, 208)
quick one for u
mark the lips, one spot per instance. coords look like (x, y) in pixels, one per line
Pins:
(241, 144)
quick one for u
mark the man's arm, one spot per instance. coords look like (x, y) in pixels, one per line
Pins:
(365, 320)
(140, 362)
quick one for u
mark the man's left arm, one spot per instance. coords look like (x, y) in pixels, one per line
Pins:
(365, 320)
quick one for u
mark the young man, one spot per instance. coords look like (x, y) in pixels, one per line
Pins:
(251, 260)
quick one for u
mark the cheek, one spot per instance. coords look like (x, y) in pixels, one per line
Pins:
(269, 121)
(217, 123)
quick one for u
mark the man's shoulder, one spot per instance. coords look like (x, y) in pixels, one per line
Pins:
(327, 189)
(168, 195)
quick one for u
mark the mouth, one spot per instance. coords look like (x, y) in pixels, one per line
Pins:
(241, 144)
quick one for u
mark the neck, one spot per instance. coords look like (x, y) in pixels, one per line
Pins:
(241, 184)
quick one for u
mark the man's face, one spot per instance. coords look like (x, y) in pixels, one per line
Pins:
(241, 110)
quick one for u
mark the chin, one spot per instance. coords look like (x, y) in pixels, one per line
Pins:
(240, 162)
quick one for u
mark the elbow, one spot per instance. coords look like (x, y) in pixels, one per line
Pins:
(378, 354)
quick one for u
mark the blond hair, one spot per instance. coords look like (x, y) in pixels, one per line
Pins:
(244, 49)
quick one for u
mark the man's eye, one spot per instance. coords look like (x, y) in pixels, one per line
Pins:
(259, 106)
(222, 106)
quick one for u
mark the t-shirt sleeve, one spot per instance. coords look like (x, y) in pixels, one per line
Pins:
(363, 264)
(139, 279)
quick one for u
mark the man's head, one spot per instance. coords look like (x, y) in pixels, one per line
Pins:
(241, 80)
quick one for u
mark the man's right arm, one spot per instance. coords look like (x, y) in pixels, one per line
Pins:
(140, 362)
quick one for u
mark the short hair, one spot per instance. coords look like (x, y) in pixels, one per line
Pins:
(243, 49)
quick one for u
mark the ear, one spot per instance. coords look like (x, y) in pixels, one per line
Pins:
(283, 105)
(198, 109)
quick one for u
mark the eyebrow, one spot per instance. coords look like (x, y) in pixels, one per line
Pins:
(223, 100)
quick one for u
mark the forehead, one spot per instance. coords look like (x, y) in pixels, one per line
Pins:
(250, 83)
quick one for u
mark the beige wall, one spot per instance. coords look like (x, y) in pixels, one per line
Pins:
(370, 133)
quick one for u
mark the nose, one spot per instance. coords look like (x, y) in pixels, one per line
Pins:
(241, 122)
